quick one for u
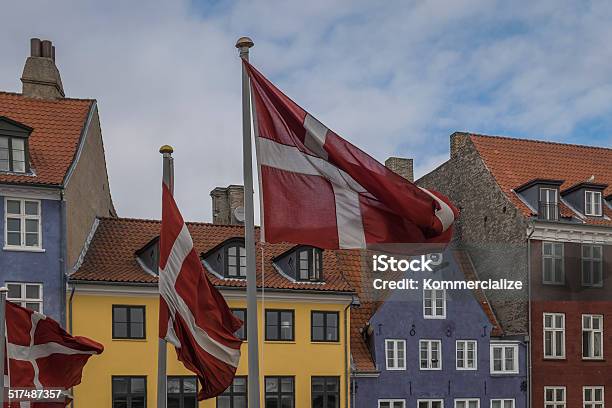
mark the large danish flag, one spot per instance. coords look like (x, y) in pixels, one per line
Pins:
(319, 189)
(41, 354)
(193, 315)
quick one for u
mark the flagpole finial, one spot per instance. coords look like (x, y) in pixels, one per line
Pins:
(166, 149)
(244, 42)
(3, 289)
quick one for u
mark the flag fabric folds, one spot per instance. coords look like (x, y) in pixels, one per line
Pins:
(194, 317)
(318, 189)
(40, 354)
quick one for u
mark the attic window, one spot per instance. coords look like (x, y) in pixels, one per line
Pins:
(303, 263)
(548, 206)
(235, 260)
(592, 203)
(14, 146)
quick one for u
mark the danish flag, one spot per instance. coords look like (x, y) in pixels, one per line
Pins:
(193, 315)
(319, 189)
(41, 354)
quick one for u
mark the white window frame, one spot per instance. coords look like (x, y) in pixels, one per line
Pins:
(392, 401)
(593, 403)
(22, 219)
(429, 402)
(435, 299)
(515, 358)
(592, 260)
(467, 402)
(591, 344)
(502, 401)
(23, 299)
(593, 209)
(429, 355)
(555, 403)
(465, 355)
(556, 331)
(549, 214)
(553, 257)
(396, 360)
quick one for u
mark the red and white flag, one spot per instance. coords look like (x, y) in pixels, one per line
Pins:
(319, 189)
(193, 315)
(41, 354)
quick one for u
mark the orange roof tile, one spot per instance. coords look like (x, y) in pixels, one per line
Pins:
(514, 162)
(57, 127)
(111, 256)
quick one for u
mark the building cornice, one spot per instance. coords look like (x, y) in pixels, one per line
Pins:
(29, 191)
(570, 232)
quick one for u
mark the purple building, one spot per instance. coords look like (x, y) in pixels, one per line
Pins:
(435, 348)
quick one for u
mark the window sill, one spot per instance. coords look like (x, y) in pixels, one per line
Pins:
(434, 317)
(23, 249)
(593, 359)
(131, 340)
(504, 374)
(554, 358)
(279, 341)
(333, 343)
(466, 369)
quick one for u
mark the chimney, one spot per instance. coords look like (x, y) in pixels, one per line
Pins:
(228, 205)
(401, 166)
(458, 143)
(41, 78)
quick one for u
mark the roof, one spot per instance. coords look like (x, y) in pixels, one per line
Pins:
(111, 256)
(360, 276)
(57, 126)
(515, 162)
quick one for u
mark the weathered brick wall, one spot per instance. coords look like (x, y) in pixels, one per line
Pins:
(490, 227)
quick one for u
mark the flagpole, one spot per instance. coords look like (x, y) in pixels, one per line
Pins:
(168, 180)
(243, 44)
(3, 291)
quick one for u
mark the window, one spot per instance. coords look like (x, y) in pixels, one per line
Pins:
(26, 294)
(430, 354)
(554, 335)
(592, 203)
(235, 396)
(592, 265)
(395, 354)
(242, 315)
(467, 351)
(467, 403)
(554, 397)
(434, 303)
(279, 325)
(13, 154)
(128, 322)
(430, 403)
(310, 264)
(325, 392)
(504, 359)
(324, 326)
(548, 206)
(391, 403)
(129, 392)
(592, 336)
(182, 392)
(22, 223)
(280, 392)
(235, 260)
(552, 263)
(502, 403)
(593, 397)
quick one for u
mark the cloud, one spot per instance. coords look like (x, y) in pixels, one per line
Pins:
(395, 78)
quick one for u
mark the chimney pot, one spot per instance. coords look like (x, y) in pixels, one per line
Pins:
(401, 166)
(47, 48)
(53, 53)
(225, 201)
(35, 47)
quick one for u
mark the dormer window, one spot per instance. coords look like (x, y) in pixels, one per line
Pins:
(548, 208)
(303, 263)
(235, 260)
(14, 146)
(592, 203)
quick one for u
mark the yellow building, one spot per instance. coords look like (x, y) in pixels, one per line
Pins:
(304, 316)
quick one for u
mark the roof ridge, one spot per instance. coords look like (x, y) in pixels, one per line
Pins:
(20, 95)
(153, 221)
(519, 139)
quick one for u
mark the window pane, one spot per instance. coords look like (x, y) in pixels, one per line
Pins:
(31, 239)
(13, 238)
(32, 292)
(271, 384)
(13, 207)
(286, 384)
(34, 306)
(121, 329)
(317, 319)
(31, 207)
(190, 385)
(13, 225)
(174, 385)
(120, 385)
(136, 315)
(14, 291)
(136, 330)
(138, 385)
(32, 226)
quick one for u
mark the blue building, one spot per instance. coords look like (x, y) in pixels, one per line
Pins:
(435, 348)
(53, 184)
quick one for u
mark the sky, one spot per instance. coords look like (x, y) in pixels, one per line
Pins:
(394, 77)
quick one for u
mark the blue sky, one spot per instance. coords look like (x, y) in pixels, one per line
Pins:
(393, 77)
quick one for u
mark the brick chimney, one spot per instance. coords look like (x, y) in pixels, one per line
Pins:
(401, 166)
(228, 205)
(41, 78)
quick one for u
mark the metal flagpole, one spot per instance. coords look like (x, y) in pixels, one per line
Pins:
(168, 180)
(243, 44)
(3, 291)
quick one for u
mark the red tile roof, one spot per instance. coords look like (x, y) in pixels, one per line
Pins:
(57, 126)
(111, 256)
(514, 162)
